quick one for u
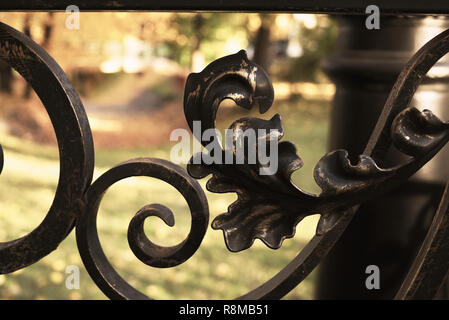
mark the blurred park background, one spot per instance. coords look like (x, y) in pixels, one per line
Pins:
(130, 69)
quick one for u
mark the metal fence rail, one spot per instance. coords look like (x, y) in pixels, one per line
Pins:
(311, 6)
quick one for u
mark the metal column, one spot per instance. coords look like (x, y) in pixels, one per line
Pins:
(385, 231)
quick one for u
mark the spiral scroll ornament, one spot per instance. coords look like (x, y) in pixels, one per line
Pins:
(98, 266)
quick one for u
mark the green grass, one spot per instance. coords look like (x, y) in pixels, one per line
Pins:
(27, 187)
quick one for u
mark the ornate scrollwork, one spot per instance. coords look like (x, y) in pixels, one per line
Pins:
(98, 266)
(269, 206)
(76, 203)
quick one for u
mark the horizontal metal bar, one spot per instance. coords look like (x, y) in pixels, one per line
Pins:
(312, 6)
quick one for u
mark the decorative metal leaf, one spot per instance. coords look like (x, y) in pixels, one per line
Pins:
(268, 207)
(416, 133)
(256, 213)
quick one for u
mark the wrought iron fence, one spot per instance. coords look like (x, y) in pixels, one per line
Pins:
(268, 207)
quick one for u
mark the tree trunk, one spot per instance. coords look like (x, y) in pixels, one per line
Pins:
(27, 32)
(262, 50)
(197, 60)
(48, 32)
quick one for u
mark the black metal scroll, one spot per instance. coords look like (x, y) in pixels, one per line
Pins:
(76, 201)
(74, 141)
(98, 266)
(268, 206)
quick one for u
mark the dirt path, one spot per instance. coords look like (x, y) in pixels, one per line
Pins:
(130, 115)
(124, 128)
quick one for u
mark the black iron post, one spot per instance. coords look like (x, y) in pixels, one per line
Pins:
(385, 231)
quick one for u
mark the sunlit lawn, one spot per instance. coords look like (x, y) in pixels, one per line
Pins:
(27, 186)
